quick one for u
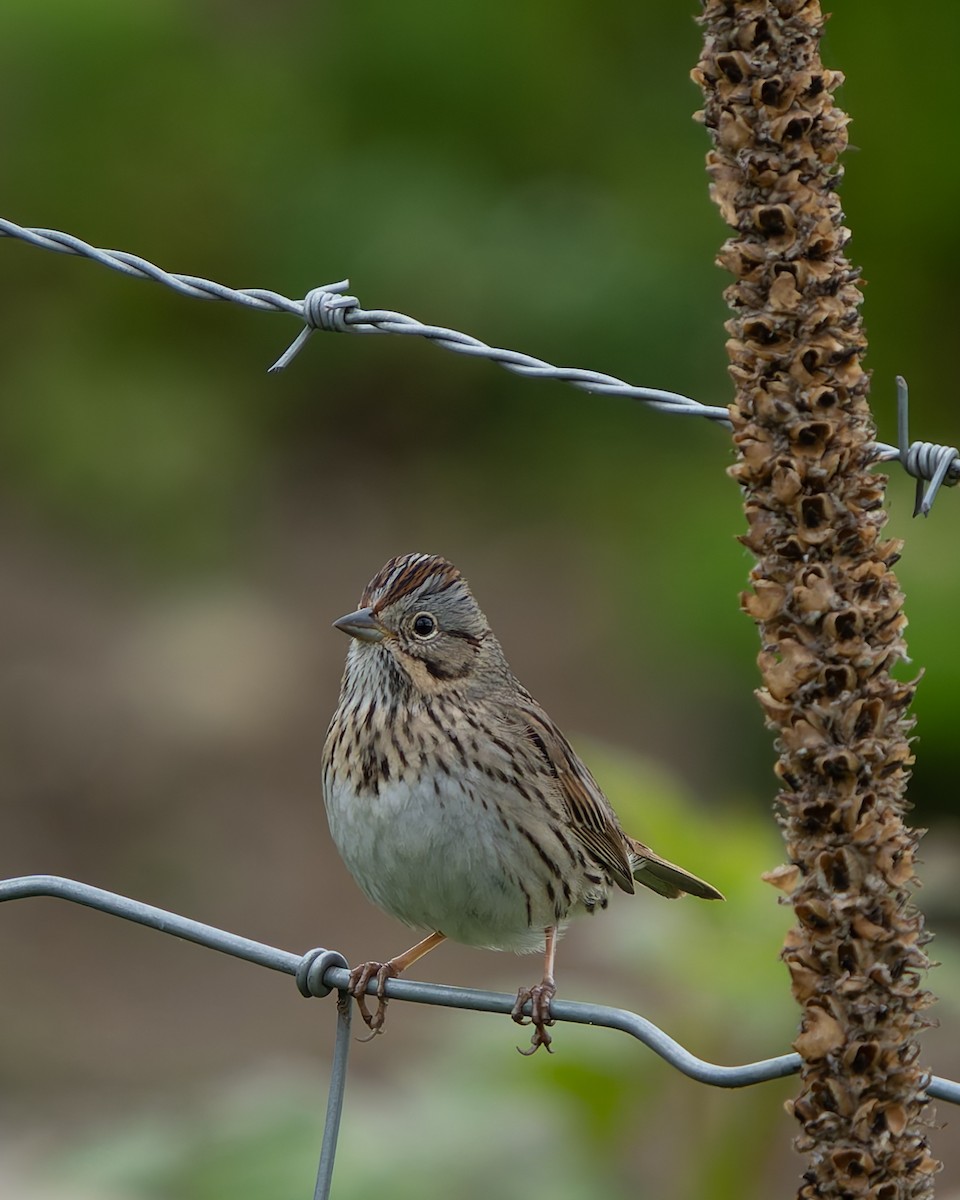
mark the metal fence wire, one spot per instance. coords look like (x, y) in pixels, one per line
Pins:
(319, 971)
(328, 308)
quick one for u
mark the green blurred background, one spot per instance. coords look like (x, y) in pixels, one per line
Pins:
(178, 529)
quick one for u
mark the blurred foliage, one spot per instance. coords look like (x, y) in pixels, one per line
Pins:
(592, 1119)
(528, 173)
(474, 1119)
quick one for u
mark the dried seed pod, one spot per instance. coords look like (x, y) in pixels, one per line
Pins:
(827, 603)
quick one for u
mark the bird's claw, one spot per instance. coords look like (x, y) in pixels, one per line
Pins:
(539, 998)
(357, 984)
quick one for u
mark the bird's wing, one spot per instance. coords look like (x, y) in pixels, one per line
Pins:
(590, 817)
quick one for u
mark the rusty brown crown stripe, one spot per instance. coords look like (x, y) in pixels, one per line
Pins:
(405, 574)
(824, 596)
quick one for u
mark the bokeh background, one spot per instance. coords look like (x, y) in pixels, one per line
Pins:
(178, 530)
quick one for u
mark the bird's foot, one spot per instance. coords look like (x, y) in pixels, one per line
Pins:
(539, 997)
(357, 987)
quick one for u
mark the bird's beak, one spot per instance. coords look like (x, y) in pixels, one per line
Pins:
(362, 625)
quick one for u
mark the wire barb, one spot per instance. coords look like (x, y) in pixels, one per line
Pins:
(324, 308)
(927, 462)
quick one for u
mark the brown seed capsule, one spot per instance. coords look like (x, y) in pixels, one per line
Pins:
(828, 606)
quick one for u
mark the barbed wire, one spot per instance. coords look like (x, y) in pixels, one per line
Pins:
(327, 308)
(330, 309)
(320, 971)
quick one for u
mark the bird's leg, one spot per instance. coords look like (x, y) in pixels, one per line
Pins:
(361, 976)
(539, 997)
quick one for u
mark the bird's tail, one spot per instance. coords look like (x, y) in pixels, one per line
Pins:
(665, 877)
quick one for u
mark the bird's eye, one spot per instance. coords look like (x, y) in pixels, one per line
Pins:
(424, 625)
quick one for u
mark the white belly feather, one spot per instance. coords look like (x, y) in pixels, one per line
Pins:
(441, 862)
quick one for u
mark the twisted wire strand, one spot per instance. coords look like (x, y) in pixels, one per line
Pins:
(327, 308)
(330, 309)
(926, 461)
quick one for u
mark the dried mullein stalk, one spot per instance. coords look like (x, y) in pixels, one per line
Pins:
(824, 596)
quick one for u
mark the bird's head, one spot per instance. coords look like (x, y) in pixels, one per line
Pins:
(419, 611)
